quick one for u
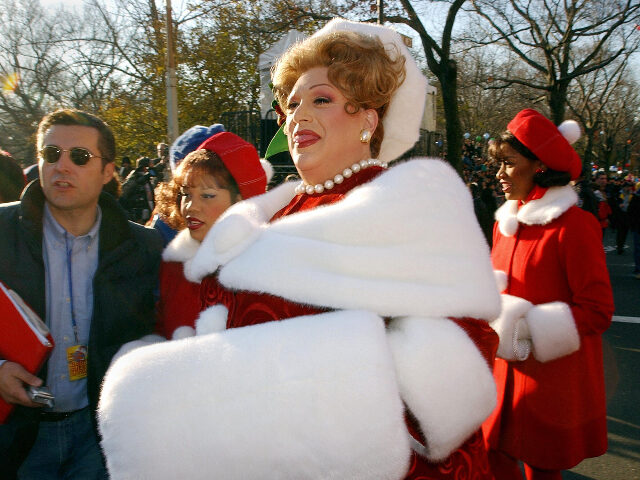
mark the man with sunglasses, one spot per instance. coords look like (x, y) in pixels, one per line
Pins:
(71, 254)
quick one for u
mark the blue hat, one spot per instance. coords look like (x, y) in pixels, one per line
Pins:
(190, 141)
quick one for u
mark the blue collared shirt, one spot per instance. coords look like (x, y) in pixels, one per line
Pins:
(69, 395)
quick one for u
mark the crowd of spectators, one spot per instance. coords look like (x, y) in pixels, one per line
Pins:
(606, 196)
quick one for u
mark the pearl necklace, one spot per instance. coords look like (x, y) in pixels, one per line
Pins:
(339, 178)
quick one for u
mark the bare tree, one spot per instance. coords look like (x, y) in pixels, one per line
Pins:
(608, 116)
(481, 109)
(61, 57)
(559, 41)
(31, 55)
(597, 99)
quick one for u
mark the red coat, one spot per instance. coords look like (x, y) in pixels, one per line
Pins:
(179, 303)
(553, 414)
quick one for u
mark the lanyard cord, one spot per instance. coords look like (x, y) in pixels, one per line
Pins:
(70, 278)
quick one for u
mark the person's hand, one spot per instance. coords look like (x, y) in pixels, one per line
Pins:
(13, 378)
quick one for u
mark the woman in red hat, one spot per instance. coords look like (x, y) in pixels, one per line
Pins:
(223, 170)
(354, 302)
(556, 304)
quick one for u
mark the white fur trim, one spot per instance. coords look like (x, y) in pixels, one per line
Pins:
(501, 279)
(184, 331)
(307, 398)
(444, 380)
(406, 243)
(404, 114)
(507, 219)
(181, 248)
(553, 331)
(570, 130)
(135, 344)
(238, 227)
(542, 211)
(511, 347)
(268, 168)
(213, 319)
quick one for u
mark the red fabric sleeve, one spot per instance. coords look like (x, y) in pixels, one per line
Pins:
(586, 269)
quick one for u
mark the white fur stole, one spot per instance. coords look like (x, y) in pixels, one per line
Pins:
(406, 243)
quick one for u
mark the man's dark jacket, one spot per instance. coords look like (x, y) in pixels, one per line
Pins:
(124, 286)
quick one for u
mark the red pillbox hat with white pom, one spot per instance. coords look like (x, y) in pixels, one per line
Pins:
(548, 142)
(242, 161)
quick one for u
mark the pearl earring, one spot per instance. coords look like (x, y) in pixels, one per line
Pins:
(365, 136)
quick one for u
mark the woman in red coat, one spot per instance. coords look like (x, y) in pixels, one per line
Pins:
(221, 171)
(355, 302)
(557, 303)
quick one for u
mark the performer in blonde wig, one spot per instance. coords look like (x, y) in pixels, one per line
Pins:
(346, 336)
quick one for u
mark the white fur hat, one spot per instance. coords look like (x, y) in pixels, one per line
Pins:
(403, 117)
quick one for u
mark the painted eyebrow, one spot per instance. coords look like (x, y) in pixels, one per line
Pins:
(312, 87)
(320, 85)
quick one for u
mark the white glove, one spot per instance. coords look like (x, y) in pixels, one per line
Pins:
(512, 328)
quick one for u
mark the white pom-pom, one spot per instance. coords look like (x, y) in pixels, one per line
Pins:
(183, 332)
(268, 169)
(570, 130)
(213, 319)
(508, 226)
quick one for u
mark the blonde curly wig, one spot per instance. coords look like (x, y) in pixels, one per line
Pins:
(358, 65)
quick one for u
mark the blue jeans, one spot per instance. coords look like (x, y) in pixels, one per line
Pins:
(66, 449)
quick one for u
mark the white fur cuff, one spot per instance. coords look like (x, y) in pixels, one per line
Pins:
(184, 331)
(509, 326)
(444, 380)
(213, 319)
(311, 397)
(553, 331)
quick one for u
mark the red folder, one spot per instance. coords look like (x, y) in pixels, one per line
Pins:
(25, 339)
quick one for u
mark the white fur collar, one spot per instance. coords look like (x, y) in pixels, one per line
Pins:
(406, 243)
(182, 248)
(236, 228)
(542, 211)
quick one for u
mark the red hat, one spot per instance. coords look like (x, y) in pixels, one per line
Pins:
(546, 141)
(242, 161)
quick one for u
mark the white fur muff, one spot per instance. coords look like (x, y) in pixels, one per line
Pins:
(313, 397)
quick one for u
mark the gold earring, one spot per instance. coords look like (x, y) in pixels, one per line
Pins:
(365, 136)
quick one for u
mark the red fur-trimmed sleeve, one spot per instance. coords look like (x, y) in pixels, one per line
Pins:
(586, 269)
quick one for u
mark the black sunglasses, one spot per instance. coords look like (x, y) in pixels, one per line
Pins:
(79, 155)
